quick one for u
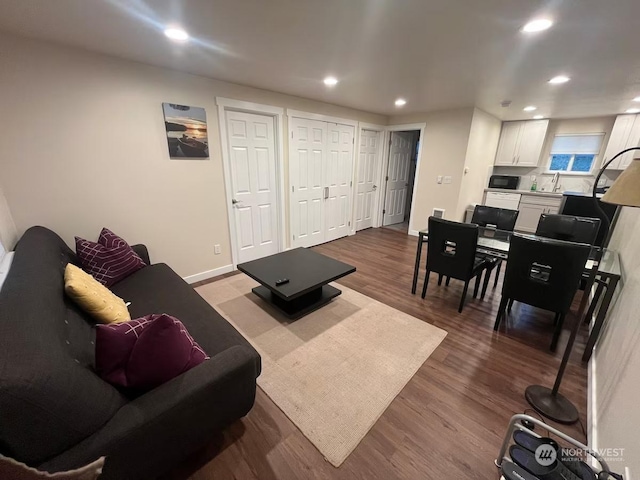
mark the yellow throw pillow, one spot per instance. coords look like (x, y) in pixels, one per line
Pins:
(93, 297)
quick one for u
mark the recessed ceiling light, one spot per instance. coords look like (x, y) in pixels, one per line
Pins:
(633, 110)
(537, 25)
(331, 81)
(637, 99)
(559, 79)
(177, 34)
(530, 108)
(400, 102)
(538, 117)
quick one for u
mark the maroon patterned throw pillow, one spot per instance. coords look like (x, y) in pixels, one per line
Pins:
(144, 353)
(110, 259)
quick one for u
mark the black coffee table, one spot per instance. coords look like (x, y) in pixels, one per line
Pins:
(308, 272)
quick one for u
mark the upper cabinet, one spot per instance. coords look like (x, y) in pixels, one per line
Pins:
(521, 143)
(625, 134)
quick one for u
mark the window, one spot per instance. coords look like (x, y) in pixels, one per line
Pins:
(575, 153)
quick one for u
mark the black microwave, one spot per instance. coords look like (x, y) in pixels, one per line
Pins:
(508, 182)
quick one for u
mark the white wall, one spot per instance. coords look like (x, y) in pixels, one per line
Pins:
(444, 149)
(85, 148)
(481, 153)
(617, 354)
(567, 182)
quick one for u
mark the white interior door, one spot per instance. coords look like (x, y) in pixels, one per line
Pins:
(252, 154)
(308, 153)
(398, 177)
(366, 188)
(338, 180)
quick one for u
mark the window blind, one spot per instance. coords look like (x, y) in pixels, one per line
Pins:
(570, 144)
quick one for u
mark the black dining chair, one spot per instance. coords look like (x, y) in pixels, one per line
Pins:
(451, 252)
(501, 219)
(544, 273)
(568, 228)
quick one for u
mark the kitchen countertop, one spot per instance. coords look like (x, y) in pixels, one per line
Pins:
(525, 192)
(541, 193)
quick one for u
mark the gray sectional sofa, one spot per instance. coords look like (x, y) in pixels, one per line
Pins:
(57, 414)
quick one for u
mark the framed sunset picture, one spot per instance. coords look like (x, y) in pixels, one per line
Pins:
(186, 131)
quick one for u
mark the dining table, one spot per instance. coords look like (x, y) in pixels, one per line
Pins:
(496, 242)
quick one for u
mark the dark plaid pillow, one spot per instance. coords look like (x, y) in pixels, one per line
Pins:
(144, 353)
(110, 259)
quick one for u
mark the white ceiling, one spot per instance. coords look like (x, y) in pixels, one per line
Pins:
(438, 54)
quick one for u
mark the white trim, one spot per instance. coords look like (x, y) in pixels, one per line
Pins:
(382, 130)
(414, 233)
(323, 118)
(199, 277)
(227, 104)
(385, 161)
(248, 106)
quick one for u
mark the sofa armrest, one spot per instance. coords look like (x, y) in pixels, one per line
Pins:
(166, 424)
(142, 252)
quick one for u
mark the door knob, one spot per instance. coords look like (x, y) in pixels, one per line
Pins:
(234, 201)
(375, 187)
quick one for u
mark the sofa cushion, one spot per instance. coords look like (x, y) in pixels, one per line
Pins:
(157, 288)
(93, 297)
(145, 352)
(110, 259)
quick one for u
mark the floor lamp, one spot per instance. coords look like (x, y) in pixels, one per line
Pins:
(625, 191)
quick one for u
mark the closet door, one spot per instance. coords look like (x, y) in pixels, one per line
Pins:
(307, 159)
(338, 180)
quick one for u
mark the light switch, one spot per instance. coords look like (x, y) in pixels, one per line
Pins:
(216, 249)
(439, 179)
(447, 179)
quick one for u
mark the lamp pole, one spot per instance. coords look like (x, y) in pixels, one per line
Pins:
(549, 402)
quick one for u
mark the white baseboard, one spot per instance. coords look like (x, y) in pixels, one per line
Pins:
(199, 277)
(413, 233)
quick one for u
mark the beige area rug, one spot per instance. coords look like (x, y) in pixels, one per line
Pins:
(335, 371)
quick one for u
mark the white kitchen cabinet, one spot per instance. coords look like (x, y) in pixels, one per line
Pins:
(531, 207)
(510, 201)
(508, 146)
(625, 134)
(521, 143)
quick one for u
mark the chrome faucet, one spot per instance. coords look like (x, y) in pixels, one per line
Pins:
(554, 182)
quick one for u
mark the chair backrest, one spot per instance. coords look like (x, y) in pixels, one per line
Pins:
(452, 248)
(544, 273)
(568, 228)
(501, 218)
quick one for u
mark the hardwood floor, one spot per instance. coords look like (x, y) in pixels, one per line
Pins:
(448, 422)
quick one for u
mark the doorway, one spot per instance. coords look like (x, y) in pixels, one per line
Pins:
(400, 179)
(368, 177)
(251, 137)
(321, 179)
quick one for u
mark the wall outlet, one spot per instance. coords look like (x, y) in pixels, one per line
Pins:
(439, 179)
(447, 179)
(216, 249)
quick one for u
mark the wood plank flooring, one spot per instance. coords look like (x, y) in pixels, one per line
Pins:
(448, 422)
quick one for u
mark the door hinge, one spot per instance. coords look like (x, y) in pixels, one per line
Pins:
(387, 178)
(293, 189)
(353, 140)
(389, 142)
(384, 211)
(294, 237)
(351, 183)
(349, 223)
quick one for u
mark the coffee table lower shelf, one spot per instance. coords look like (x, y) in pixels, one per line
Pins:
(299, 306)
